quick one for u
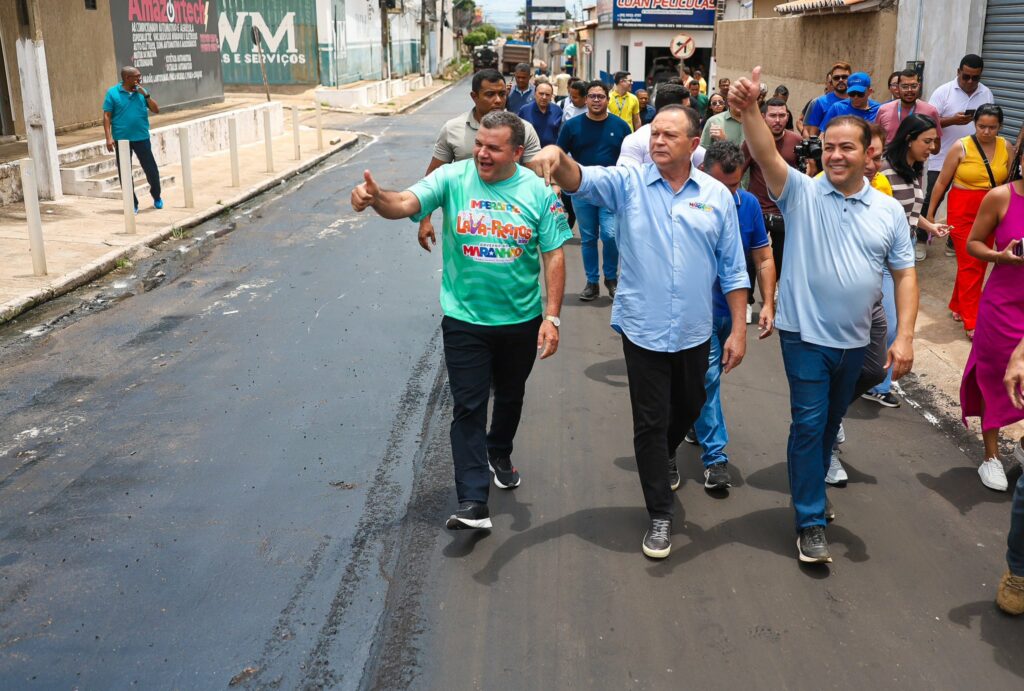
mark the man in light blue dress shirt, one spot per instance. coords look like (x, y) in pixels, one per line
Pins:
(682, 234)
(840, 234)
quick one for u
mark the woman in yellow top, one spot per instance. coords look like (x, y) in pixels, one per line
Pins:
(974, 165)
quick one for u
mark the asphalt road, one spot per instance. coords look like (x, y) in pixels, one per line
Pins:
(243, 472)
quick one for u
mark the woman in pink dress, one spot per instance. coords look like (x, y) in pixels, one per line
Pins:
(1000, 324)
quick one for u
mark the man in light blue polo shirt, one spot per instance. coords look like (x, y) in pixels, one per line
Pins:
(126, 109)
(840, 234)
(678, 233)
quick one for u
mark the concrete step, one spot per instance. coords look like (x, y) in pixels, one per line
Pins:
(71, 173)
(141, 190)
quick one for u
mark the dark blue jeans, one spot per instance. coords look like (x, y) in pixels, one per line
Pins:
(1015, 541)
(143, 151)
(821, 385)
(478, 359)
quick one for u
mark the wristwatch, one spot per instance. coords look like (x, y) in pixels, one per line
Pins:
(554, 320)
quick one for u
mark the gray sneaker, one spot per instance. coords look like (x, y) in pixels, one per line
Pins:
(812, 546)
(657, 540)
(590, 291)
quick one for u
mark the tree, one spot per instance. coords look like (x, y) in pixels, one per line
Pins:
(475, 38)
(489, 30)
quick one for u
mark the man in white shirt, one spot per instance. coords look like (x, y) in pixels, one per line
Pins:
(576, 102)
(636, 148)
(956, 102)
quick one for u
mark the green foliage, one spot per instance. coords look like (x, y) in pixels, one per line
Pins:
(475, 38)
(488, 29)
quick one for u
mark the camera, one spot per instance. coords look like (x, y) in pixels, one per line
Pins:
(808, 149)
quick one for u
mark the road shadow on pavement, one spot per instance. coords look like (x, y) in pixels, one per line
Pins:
(774, 478)
(770, 530)
(616, 529)
(962, 488)
(690, 470)
(463, 542)
(620, 529)
(610, 372)
(1001, 631)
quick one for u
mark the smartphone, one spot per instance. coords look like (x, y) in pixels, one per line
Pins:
(969, 113)
(1018, 249)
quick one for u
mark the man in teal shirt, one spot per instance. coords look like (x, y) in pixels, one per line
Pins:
(126, 110)
(500, 222)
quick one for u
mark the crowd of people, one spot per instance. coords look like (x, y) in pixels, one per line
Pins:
(684, 201)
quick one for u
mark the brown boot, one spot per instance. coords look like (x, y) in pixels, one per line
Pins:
(1010, 596)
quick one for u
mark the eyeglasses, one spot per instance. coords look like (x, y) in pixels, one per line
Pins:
(596, 97)
(909, 87)
(970, 77)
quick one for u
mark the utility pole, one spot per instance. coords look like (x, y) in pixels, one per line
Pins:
(424, 38)
(40, 130)
(385, 39)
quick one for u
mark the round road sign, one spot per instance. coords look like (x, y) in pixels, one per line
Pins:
(683, 47)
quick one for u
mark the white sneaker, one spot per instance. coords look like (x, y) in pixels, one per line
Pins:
(836, 474)
(841, 435)
(750, 313)
(921, 252)
(993, 476)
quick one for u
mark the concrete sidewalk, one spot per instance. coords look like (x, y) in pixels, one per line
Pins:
(941, 347)
(85, 237)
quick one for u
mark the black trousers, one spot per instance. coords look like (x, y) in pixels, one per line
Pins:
(479, 358)
(872, 373)
(776, 228)
(666, 392)
(143, 151)
(931, 177)
(569, 211)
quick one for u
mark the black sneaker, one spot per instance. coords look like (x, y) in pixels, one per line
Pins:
(691, 437)
(812, 546)
(673, 474)
(830, 510)
(611, 285)
(883, 399)
(949, 251)
(657, 541)
(590, 291)
(471, 515)
(505, 474)
(716, 476)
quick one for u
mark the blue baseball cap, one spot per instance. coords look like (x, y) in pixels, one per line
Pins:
(859, 83)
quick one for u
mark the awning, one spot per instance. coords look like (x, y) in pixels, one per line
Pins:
(799, 7)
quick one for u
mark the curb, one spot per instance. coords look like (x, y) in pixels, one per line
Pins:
(400, 111)
(108, 262)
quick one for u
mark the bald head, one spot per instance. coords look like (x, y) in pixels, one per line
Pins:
(129, 71)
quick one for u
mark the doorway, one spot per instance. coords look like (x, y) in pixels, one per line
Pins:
(6, 109)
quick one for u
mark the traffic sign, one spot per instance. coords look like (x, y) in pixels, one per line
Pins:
(683, 46)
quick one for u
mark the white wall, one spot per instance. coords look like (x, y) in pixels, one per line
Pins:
(613, 39)
(940, 32)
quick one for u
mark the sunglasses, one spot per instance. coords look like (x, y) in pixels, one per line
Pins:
(970, 77)
(840, 77)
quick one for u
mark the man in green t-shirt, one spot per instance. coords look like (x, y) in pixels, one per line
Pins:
(500, 222)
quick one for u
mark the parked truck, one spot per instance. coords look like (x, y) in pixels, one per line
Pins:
(513, 53)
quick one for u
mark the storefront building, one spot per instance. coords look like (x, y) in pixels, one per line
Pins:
(639, 36)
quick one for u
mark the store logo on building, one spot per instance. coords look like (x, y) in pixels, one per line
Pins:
(169, 11)
(231, 36)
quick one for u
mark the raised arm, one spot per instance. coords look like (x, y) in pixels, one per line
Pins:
(743, 96)
(555, 166)
(389, 204)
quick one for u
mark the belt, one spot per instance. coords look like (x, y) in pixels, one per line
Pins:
(772, 218)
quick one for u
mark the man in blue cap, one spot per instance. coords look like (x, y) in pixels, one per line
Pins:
(859, 102)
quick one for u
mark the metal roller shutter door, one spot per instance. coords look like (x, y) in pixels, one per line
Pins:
(1003, 52)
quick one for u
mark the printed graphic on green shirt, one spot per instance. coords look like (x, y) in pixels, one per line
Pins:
(492, 239)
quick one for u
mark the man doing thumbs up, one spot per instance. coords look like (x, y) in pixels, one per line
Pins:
(500, 222)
